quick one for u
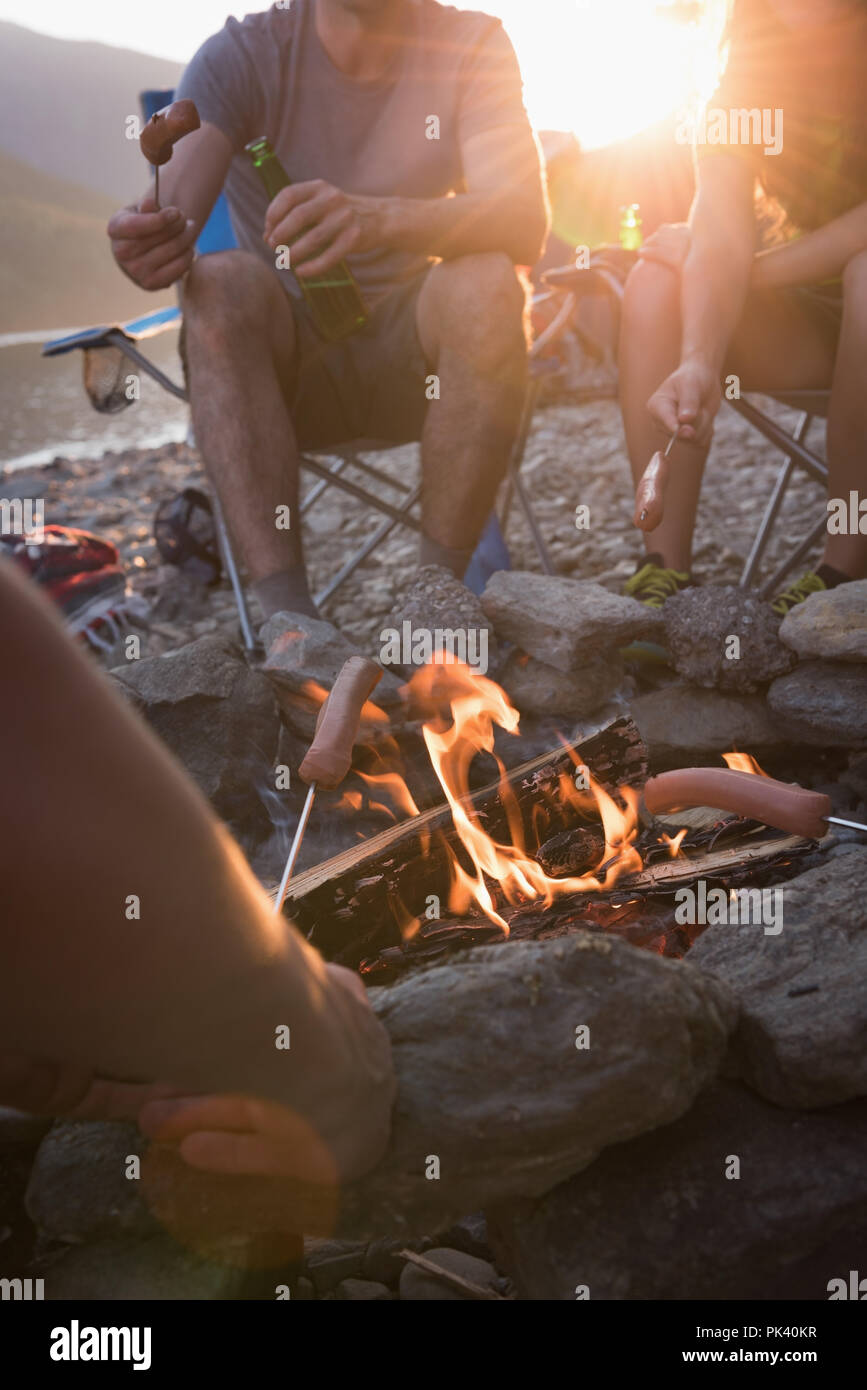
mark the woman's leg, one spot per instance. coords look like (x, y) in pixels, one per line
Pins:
(847, 420)
(782, 343)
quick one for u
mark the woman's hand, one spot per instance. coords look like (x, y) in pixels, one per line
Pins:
(668, 245)
(688, 401)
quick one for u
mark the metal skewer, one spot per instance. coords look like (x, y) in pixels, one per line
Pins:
(296, 845)
(852, 824)
(670, 443)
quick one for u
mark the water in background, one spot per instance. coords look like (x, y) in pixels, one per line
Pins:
(45, 410)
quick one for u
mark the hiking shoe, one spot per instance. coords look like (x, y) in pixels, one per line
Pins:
(809, 583)
(652, 583)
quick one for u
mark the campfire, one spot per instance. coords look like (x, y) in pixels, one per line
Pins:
(549, 847)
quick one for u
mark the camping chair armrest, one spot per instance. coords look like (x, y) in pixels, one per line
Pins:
(125, 337)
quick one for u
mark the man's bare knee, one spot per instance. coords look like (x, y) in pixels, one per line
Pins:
(228, 286)
(231, 303)
(480, 307)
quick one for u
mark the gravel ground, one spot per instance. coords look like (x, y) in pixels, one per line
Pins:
(575, 455)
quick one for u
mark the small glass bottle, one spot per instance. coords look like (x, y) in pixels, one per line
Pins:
(631, 235)
(335, 300)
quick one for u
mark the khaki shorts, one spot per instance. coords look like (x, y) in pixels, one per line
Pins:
(370, 385)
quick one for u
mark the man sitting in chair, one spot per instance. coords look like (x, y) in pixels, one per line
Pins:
(378, 110)
(702, 303)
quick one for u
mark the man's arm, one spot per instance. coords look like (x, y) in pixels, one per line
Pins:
(155, 249)
(814, 257)
(503, 209)
(193, 993)
(715, 279)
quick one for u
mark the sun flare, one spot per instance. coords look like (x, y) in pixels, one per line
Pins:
(606, 69)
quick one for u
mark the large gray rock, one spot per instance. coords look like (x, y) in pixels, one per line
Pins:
(802, 1035)
(537, 688)
(216, 715)
(494, 1098)
(301, 650)
(434, 601)
(418, 1285)
(363, 1291)
(678, 722)
(659, 1219)
(564, 622)
(155, 1268)
(78, 1188)
(824, 703)
(700, 624)
(831, 624)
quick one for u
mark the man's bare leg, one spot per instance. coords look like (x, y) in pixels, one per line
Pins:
(240, 344)
(471, 325)
(779, 345)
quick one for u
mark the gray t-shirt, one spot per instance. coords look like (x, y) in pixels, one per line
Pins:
(269, 74)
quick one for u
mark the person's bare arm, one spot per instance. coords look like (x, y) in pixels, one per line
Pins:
(503, 209)
(814, 257)
(715, 278)
(156, 249)
(135, 943)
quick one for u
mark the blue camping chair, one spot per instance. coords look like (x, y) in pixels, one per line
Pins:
(490, 555)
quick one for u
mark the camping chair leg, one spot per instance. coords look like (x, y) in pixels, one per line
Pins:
(321, 484)
(384, 528)
(234, 578)
(768, 589)
(541, 548)
(762, 536)
(345, 485)
(121, 341)
(519, 448)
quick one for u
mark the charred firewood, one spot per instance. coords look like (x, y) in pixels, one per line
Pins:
(572, 852)
(363, 900)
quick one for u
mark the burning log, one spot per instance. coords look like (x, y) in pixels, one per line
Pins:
(362, 900)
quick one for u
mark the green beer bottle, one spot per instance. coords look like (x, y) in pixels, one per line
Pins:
(334, 299)
(631, 235)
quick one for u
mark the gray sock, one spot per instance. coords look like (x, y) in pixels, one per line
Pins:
(432, 553)
(286, 592)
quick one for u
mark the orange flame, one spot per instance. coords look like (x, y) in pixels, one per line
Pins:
(316, 694)
(674, 842)
(395, 787)
(743, 762)
(463, 708)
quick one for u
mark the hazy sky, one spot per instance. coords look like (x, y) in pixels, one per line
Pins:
(603, 68)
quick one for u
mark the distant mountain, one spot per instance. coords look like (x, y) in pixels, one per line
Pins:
(63, 105)
(56, 269)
